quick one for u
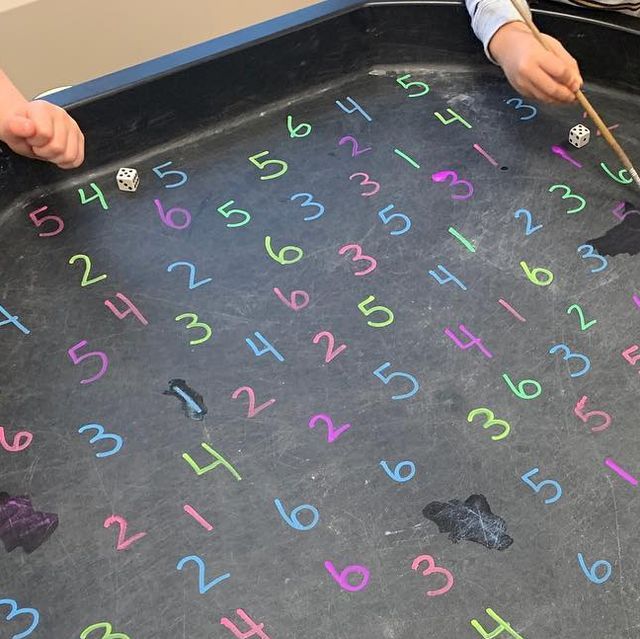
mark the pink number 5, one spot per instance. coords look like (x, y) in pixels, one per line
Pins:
(359, 257)
(433, 570)
(585, 417)
(73, 354)
(443, 176)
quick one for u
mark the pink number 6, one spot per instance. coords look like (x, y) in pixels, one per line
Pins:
(342, 578)
(432, 569)
(73, 354)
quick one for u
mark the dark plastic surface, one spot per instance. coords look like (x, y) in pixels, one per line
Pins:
(166, 397)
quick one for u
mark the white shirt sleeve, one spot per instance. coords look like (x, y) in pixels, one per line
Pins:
(487, 16)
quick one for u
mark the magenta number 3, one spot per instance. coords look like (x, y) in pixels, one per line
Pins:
(78, 359)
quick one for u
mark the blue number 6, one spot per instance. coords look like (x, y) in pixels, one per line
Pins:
(15, 611)
(292, 519)
(591, 573)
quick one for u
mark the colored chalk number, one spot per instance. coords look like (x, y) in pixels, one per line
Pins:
(268, 347)
(163, 174)
(367, 181)
(292, 518)
(491, 421)
(262, 165)
(622, 177)
(203, 585)
(86, 280)
(293, 296)
(473, 340)
(131, 309)
(253, 410)
(432, 569)
(375, 309)
(192, 274)
(98, 195)
(355, 149)
(39, 221)
(519, 104)
(219, 461)
(332, 352)
(333, 433)
(18, 612)
(107, 631)
(301, 130)
(396, 473)
(386, 219)
(13, 319)
(100, 435)
(168, 217)
(569, 355)
(123, 542)
(77, 359)
(537, 276)
(356, 109)
(520, 390)
(578, 411)
(455, 117)
(537, 487)
(423, 86)
(570, 195)
(444, 280)
(359, 256)
(529, 229)
(454, 180)
(193, 324)
(386, 379)
(254, 629)
(591, 573)
(342, 577)
(586, 252)
(280, 257)
(224, 210)
(584, 324)
(309, 201)
(21, 441)
(503, 626)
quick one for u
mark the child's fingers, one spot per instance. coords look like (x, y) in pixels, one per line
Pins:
(556, 67)
(20, 127)
(575, 82)
(549, 89)
(69, 159)
(41, 114)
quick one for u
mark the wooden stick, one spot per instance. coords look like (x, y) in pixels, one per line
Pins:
(593, 114)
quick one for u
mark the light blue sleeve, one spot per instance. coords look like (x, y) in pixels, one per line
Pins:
(487, 16)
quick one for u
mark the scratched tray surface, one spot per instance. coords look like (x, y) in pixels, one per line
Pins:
(366, 518)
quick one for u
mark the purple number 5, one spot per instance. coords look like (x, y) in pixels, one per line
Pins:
(76, 359)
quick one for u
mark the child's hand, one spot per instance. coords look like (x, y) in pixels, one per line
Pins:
(549, 76)
(45, 131)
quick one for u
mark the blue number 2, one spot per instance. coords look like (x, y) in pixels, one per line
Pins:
(202, 585)
(192, 274)
(15, 611)
(529, 228)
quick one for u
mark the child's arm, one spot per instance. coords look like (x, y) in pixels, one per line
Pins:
(546, 76)
(39, 129)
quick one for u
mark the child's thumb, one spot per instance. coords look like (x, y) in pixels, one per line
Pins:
(21, 127)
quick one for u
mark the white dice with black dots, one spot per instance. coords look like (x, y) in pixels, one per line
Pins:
(579, 135)
(127, 179)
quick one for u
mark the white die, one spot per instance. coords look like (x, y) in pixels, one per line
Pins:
(127, 179)
(579, 135)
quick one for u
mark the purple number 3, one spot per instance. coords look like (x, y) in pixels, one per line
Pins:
(77, 359)
(452, 177)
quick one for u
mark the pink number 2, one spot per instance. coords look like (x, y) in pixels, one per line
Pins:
(253, 410)
(72, 352)
(332, 433)
(432, 569)
(123, 543)
(21, 441)
(331, 342)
